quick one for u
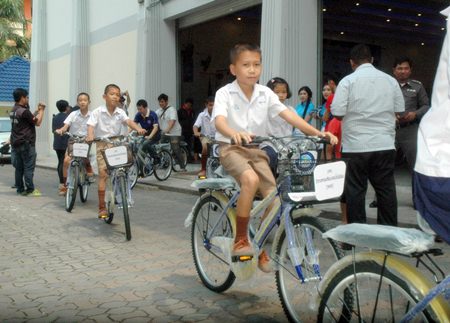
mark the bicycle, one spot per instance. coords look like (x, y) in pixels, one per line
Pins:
(119, 159)
(144, 165)
(381, 285)
(298, 243)
(76, 173)
(176, 167)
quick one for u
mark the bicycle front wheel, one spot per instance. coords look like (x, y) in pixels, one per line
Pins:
(84, 185)
(298, 298)
(126, 216)
(210, 262)
(373, 298)
(71, 194)
(163, 169)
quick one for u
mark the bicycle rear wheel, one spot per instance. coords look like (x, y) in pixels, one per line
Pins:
(296, 298)
(126, 216)
(371, 300)
(133, 174)
(84, 185)
(211, 264)
(163, 169)
(72, 187)
(184, 157)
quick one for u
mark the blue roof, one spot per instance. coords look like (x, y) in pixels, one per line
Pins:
(14, 73)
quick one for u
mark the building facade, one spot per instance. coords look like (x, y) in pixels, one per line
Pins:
(83, 45)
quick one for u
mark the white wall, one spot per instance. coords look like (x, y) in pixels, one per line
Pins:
(113, 61)
(59, 23)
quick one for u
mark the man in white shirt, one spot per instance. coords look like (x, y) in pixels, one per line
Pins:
(367, 102)
(170, 127)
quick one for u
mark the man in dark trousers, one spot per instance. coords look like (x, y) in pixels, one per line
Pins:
(23, 139)
(368, 101)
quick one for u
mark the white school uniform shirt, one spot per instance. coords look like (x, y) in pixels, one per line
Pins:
(78, 123)
(204, 122)
(278, 127)
(244, 115)
(105, 124)
(433, 138)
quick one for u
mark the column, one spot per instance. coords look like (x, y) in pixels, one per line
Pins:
(39, 74)
(157, 56)
(289, 43)
(79, 50)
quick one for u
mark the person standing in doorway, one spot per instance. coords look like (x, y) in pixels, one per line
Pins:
(170, 127)
(23, 140)
(367, 101)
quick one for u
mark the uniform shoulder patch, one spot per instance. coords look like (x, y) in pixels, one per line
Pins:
(417, 82)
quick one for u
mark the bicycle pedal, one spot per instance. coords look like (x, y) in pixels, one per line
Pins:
(241, 258)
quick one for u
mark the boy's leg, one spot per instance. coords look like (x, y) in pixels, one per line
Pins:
(204, 142)
(103, 175)
(249, 183)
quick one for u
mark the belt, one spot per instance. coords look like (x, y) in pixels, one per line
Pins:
(406, 124)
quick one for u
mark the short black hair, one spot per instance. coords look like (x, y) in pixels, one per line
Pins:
(163, 96)
(62, 105)
(142, 103)
(19, 93)
(210, 98)
(84, 93)
(360, 54)
(189, 100)
(403, 59)
(274, 81)
(109, 86)
(240, 48)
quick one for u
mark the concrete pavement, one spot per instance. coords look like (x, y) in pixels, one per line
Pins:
(181, 182)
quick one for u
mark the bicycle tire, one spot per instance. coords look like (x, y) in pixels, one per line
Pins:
(71, 193)
(218, 276)
(401, 296)
(126, 216)
(297, 297)
(184, 156)
(133, 174)
(163, 170)
(110, 208)
(83, 185)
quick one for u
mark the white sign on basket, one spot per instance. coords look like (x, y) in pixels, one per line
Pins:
(329, 181)
(116, 155)
(80, 150)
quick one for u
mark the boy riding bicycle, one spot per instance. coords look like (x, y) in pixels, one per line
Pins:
(241, 111)
(107, 121)
(76, 124)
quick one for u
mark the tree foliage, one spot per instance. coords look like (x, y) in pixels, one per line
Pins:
(13, 39)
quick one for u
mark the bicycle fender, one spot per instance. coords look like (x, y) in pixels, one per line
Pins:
(397, 266)
(231, 212)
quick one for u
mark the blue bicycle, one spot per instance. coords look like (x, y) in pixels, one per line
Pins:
(299, 252)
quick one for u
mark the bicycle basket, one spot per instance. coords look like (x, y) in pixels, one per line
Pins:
(80, 150)
(118, 156)
(298, 158)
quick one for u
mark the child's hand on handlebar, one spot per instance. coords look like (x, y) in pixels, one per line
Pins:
(332, 138)
(89, 139)
(240, 138)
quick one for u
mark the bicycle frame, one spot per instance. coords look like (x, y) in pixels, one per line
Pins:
(280, 211)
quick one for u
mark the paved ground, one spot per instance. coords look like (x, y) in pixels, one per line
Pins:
(56, 266)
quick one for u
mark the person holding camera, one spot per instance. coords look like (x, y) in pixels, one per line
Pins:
(23, 140)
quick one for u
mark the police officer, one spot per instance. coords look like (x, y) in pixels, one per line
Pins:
(416, 105)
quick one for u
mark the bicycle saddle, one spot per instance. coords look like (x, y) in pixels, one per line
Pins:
(382, 237)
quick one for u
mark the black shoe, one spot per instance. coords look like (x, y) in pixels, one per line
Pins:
(373, 204)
